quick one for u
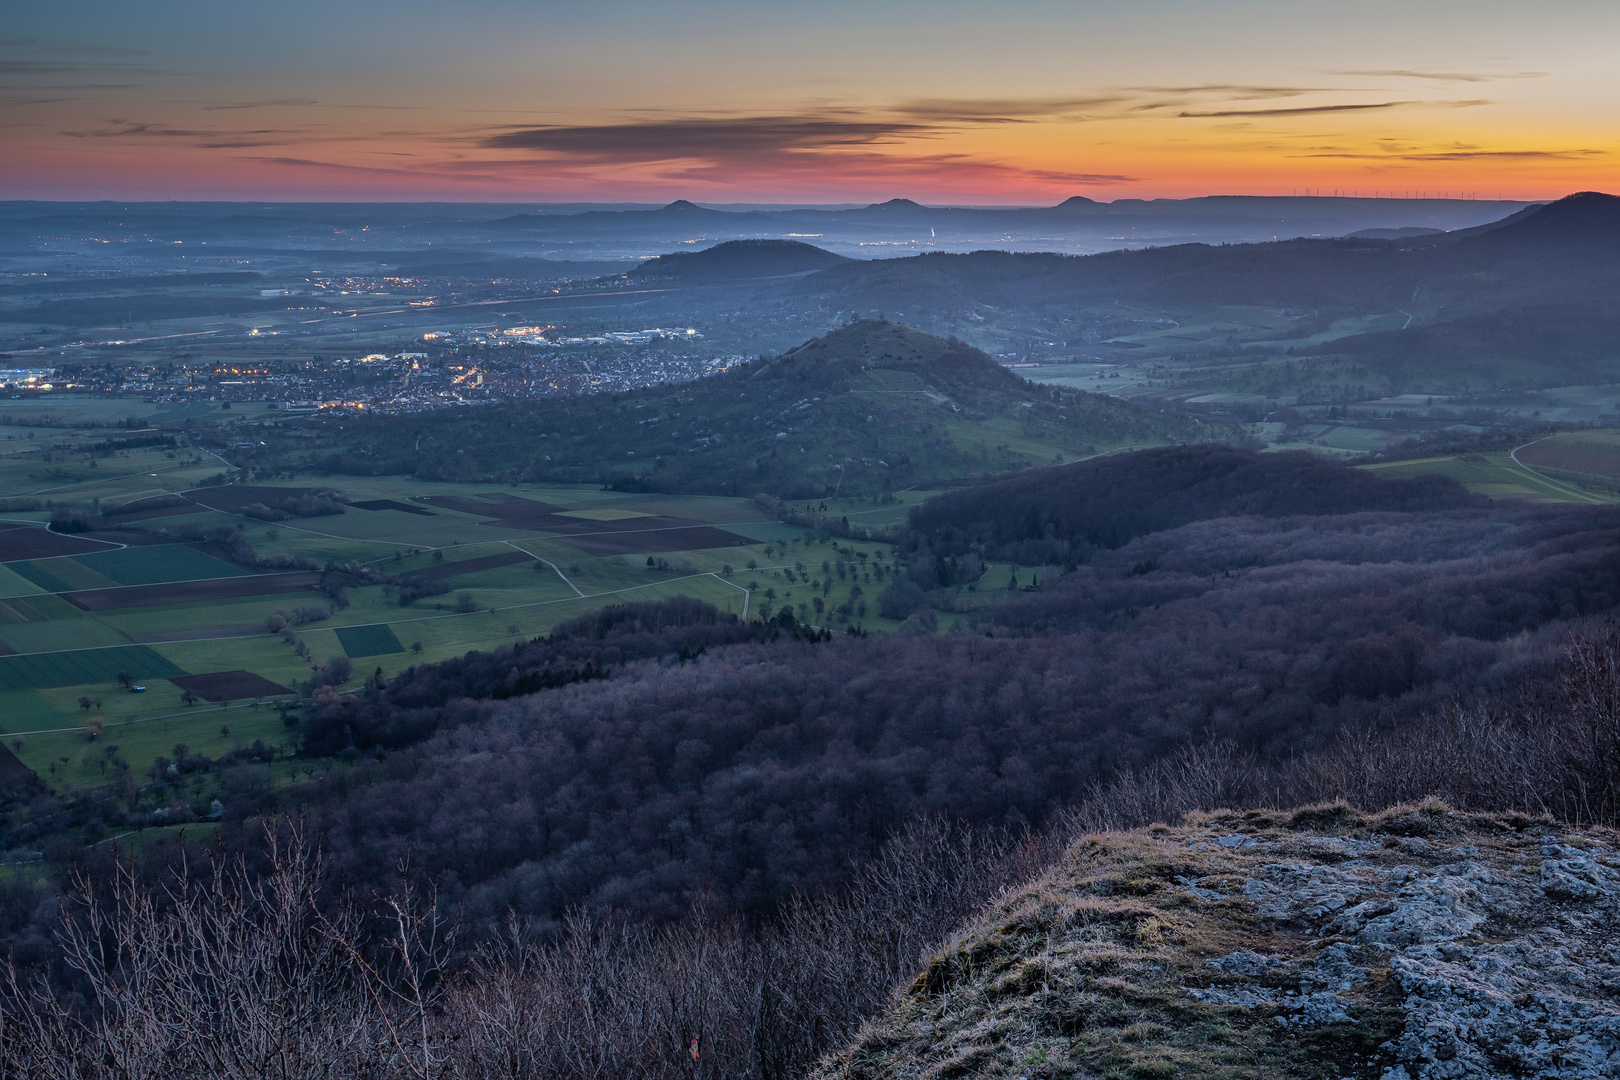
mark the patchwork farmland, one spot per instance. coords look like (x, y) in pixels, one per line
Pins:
(158, 599)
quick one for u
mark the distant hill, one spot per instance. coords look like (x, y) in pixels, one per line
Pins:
(736, 260)
(1567, 252)
(1290, 274)
(1457, 235)
(1544, 344)
(1076, 225)
(522, 267)
(874, 349)
(1584, 220)
(1411, 232)
(635, 222)
(869, 407)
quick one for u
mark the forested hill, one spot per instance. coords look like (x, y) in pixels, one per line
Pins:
(1562, 252)
(869, 407)
(1056, 514)
(1540, 344)
(737, 260)
(412, 705)
(766, 766)
(1585, 219)
(873, 350)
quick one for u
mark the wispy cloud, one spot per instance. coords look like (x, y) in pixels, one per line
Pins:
(1006, 110)
(887, 144)
(1457, 155)
(33, 69)
(895, 139)
(1240, 91)
(208, 139)
(226, 137)
(661, 139)
(69, 48)
(48, 73)
(1081, 178)
(225, 106)
(1312, 110)
(288, 103)
(1445, 76)
(1302, 110)
(333, 166)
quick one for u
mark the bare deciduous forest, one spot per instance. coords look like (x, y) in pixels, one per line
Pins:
(226, 971)
(575, 856)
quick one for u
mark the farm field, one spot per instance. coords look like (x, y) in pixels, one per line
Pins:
(427, 571)
(1498, 476)
(1586, 459)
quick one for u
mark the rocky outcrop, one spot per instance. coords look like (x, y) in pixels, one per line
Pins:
(1417, 944)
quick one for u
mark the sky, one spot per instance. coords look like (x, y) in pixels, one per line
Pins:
(1018, 102)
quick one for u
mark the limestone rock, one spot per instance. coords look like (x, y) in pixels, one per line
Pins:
(1419, 944)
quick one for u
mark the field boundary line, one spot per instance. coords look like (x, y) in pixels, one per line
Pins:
(716, 575)
(498, 540)
(564, 600)
(135, 720)
(315, 629)
(548, 562)
(334, 536)
(144, 584)
(1513, 455)
(120, 476)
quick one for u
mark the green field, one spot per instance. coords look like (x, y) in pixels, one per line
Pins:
(38, 576)
(1589, 460)
(64, 664)
(1498, 476)
(375, 640)
(68, 707)
(157, 563)
(39, 671)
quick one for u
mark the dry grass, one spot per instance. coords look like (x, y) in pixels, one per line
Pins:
(1083, 973)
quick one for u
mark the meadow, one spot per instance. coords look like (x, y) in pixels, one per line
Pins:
(108, 649)
(1588, 460)
(1514, 475)
(201, 624)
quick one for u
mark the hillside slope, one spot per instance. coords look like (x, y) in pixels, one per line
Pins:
(1566, 251)
(1413, 944)
(1108, 501)
(869, 407)
(1542, 344)
(737, 260)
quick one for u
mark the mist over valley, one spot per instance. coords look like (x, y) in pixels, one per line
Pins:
(678, 640)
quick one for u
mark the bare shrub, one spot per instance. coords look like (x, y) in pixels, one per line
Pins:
(222, 973)
(1554, 750)
(628, 1000)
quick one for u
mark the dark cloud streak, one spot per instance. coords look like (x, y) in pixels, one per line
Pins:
(702, 137)
(661, 138)
(1460, 155)
(1303, 110)
(233, 105)
(1003, 111)
(1445, 76)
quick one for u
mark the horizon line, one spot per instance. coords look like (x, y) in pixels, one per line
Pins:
(744, 205)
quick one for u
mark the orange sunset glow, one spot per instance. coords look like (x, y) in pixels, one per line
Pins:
(833, 103)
